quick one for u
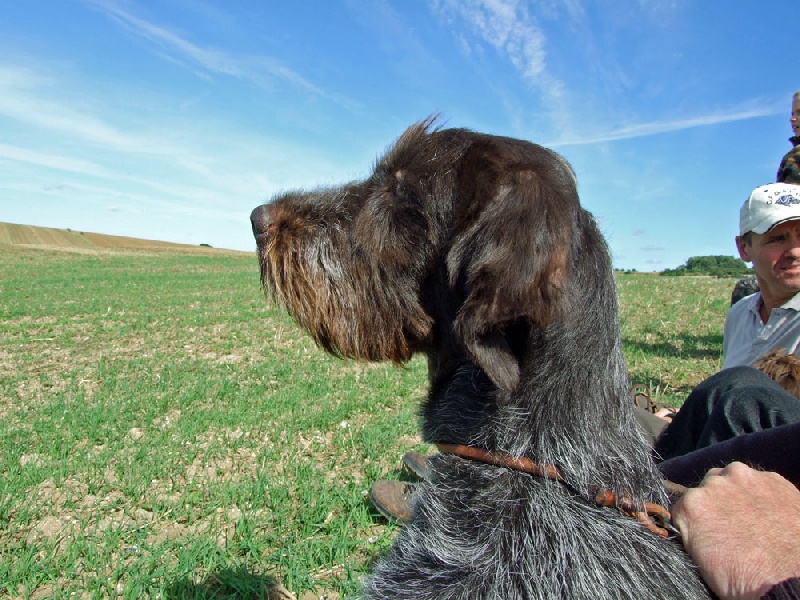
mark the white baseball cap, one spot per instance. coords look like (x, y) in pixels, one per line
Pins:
(768, 206)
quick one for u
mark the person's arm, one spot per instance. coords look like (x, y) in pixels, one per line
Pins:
(742, 529)
(775, 449)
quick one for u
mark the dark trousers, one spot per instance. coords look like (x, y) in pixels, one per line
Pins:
(776, 449)
(730, 403)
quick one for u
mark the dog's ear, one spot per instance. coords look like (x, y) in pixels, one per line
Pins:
(510, 262)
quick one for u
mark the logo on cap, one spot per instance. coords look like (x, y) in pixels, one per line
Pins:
(787, 200)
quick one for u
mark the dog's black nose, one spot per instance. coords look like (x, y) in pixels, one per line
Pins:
(260, 219)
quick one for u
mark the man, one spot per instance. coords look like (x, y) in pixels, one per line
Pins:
(771, 241)
(788, 172)
(740, 399)
(789, 169)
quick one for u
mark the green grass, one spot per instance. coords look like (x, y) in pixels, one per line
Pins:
(672, 330)
(167, 434)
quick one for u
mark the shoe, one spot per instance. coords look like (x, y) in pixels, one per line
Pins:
(642, 399)
(393, 499)
(418, 464)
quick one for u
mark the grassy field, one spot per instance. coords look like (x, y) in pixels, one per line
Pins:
(167, 434)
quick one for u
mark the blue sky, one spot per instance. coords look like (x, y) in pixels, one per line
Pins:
(171, 120)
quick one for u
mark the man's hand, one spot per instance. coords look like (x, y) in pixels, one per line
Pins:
(742, 529)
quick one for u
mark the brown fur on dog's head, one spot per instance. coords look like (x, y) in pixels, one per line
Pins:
(362, 266)
(783, 368)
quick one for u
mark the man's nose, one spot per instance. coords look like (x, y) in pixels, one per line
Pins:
(793, 248)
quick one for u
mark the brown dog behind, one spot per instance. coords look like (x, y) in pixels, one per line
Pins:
(783, 368)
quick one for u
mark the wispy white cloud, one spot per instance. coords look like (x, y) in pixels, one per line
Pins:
(20, 77)
(506, 25)
(51, 161)
(639, 130)
(62, 137)
(115, 180)
(41, 101)
(53, 116)
(79, 136)
(259, 70)
(514, 32)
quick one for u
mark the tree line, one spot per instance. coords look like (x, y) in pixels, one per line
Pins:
(716, 266)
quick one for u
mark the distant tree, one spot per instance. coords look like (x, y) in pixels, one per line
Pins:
(206, 245)
(716, 266)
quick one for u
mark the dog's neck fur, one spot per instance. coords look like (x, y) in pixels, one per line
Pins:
(597, 445)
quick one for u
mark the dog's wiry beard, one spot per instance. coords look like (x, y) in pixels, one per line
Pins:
(331, 304)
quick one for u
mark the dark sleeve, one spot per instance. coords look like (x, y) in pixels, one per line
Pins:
(776, 449)
(789, 169)
(785, 590)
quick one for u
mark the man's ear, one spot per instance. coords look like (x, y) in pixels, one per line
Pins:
(511, 264)
(743, 247)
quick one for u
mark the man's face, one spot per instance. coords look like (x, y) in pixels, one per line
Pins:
(776, 259)
(795, 118)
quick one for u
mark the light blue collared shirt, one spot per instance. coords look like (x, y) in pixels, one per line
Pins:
(746, 338)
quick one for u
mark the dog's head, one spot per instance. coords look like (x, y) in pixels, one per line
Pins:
(348, 262)
(455, 237)
(782, 367)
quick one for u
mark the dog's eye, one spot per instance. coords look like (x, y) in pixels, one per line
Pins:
(397, 191)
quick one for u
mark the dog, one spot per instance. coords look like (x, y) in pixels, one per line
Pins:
(474, 249)
(783, 368)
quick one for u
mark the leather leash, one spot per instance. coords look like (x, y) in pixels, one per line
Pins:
(654, 517)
